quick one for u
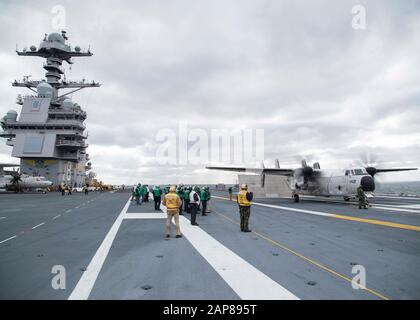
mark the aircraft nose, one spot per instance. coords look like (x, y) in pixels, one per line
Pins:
(367, 183)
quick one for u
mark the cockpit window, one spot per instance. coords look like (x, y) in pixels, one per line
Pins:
(359, 172)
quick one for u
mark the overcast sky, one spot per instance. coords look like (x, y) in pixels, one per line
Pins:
(319, 88)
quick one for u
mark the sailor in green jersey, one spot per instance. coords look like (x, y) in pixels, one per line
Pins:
(166, 190)
(143, 193)
(157, 196)
(204, 196)
(186, 197)
(138, 195)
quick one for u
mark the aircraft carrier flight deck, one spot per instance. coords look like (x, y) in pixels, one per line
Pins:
(111, 248)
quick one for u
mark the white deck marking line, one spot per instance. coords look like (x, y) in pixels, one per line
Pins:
(338, 216)
(67, 211)
(248, 282)
(410, 206)
(88, 279)
(1, 218)
(396, 209)
(7, 239)
(318, 213)
(145, 215)
(397, 205)
(57, 216)
(38, 225)
(399, 198)
(324, 214)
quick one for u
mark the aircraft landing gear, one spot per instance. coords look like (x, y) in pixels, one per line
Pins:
(296, 197)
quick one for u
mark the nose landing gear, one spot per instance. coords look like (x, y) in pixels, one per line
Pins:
(296, 197)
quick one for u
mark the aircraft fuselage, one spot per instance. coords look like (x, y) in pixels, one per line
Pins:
(26, 182)
(340, 183)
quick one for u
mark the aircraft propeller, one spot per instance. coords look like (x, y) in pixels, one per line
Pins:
(370, 162)
(16, 178)
(305, 172)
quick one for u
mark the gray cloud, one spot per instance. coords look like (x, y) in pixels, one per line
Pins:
(293, 68)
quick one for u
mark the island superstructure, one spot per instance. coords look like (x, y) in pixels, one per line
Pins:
(49, 135)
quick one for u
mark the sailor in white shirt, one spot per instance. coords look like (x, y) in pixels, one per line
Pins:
(194, 202)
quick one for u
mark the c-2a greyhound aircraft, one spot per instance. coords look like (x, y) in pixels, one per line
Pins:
(15, 181)
(313, 181)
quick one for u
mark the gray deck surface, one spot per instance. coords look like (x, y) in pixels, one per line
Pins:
(309, 255)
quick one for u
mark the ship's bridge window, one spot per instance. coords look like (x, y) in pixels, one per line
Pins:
(33, 144)
(35, 105)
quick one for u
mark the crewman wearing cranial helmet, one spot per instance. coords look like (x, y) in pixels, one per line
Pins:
(205, 198)
(244, 201)
(172, 202)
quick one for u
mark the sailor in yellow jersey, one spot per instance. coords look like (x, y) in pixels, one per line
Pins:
(172, 202)
(244, 201)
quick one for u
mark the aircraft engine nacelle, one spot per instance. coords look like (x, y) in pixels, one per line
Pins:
(302, 177)
(307, 172)
(371, 170)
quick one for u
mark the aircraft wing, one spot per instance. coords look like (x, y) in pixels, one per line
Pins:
(278, 172)
(397, 169)
(7, 165)
(269, 171)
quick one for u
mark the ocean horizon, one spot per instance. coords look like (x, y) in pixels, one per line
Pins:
(401, 188)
